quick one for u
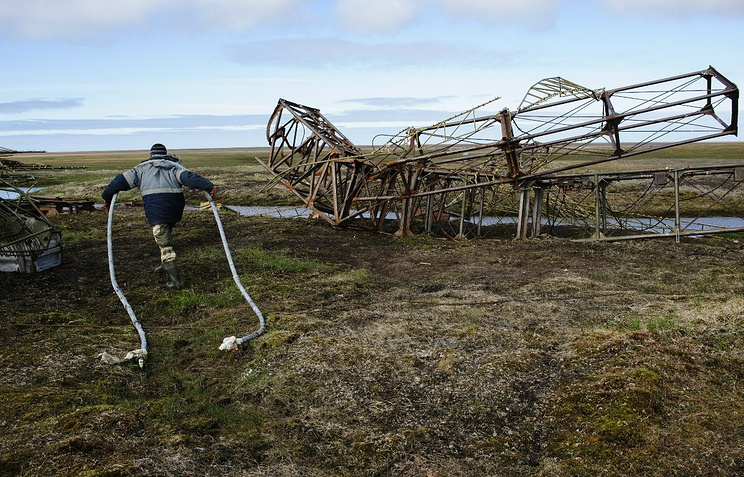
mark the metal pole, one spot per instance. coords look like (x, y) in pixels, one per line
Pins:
(524, 199)
(597, 215)
(461, 235)
(480, 210)
(677, 221)
(429, 213)
(537, 212)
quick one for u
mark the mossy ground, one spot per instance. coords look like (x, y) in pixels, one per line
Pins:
(419, 356)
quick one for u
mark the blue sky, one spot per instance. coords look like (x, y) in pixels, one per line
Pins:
(81, 75)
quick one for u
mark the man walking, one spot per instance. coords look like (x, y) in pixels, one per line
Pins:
(160, 179)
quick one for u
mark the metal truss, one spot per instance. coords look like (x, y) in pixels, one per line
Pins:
(509, 166)
(28, 241)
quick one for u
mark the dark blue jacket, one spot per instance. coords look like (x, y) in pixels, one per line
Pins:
(159, 180)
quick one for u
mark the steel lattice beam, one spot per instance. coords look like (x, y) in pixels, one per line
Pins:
(470, 162)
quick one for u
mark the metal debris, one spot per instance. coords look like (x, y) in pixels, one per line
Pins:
(28, 242)
(528, 171)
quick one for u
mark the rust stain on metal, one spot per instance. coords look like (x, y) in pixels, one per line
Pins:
(530, 165)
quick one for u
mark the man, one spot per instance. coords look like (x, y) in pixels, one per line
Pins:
(159, 180)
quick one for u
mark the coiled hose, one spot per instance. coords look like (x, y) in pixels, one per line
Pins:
(140, 353)
(231, 343)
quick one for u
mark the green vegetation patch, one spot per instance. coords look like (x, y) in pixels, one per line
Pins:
(626, 402)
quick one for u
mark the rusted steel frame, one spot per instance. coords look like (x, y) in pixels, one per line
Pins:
(272, 137)
(320, 128)
(411, 141)
(289, 135)
(441, 209)
(17, 236)
(454, 124)
(618, 117)
(356, 178)
(446, 153)
(302, 172)
(731, 92)
(612, 119)
(305, 151)
(337, 183)
(509, 150)
(730, 88)
(612, 126)
(313, 120)
(435, 207)
(550, 88)
(728, 170)
(387, 186)
(625, 154)
(287, 184)
(371, 188)
(316, 180)
(413, 145)
(309, 165)
(291, 167)
(345, 183)
(408, 179)
(640, 174)
(508, 145)
(648, 173)
(438, 180)
(316, 177)
(303, 175)
(548, 174)
(680, 174)
(488, 183)
(579, 104)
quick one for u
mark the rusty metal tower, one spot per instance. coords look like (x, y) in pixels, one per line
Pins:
(521, 166)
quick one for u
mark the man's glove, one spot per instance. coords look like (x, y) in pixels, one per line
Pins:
(213, 192)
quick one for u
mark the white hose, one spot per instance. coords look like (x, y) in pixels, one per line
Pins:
(141, 353)
(231, 343)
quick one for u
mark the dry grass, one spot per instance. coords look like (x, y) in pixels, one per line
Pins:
(382, 356)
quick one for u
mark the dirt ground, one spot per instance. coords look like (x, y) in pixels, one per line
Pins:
(418, 356)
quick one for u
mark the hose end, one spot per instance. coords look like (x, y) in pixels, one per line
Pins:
(229, 344)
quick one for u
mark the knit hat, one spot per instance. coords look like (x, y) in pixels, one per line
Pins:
(158, 150)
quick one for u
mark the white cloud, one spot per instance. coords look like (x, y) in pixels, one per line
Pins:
(677, 7)
(330, 52)
(39, 104)
(535, 13)
(77, 19)
(70, 19)
(40, 19)
(239, 15)
(378, 15)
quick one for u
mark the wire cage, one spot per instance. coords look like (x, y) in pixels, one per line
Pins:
(28, 241)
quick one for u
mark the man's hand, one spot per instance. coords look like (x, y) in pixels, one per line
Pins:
(213, 192)
(106, 205)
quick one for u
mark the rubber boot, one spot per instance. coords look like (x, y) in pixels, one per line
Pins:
(174, 274)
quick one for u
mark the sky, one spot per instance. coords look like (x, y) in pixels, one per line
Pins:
(92, 75)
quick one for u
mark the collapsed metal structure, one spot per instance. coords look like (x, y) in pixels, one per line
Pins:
(28, 241)
(543, 167)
